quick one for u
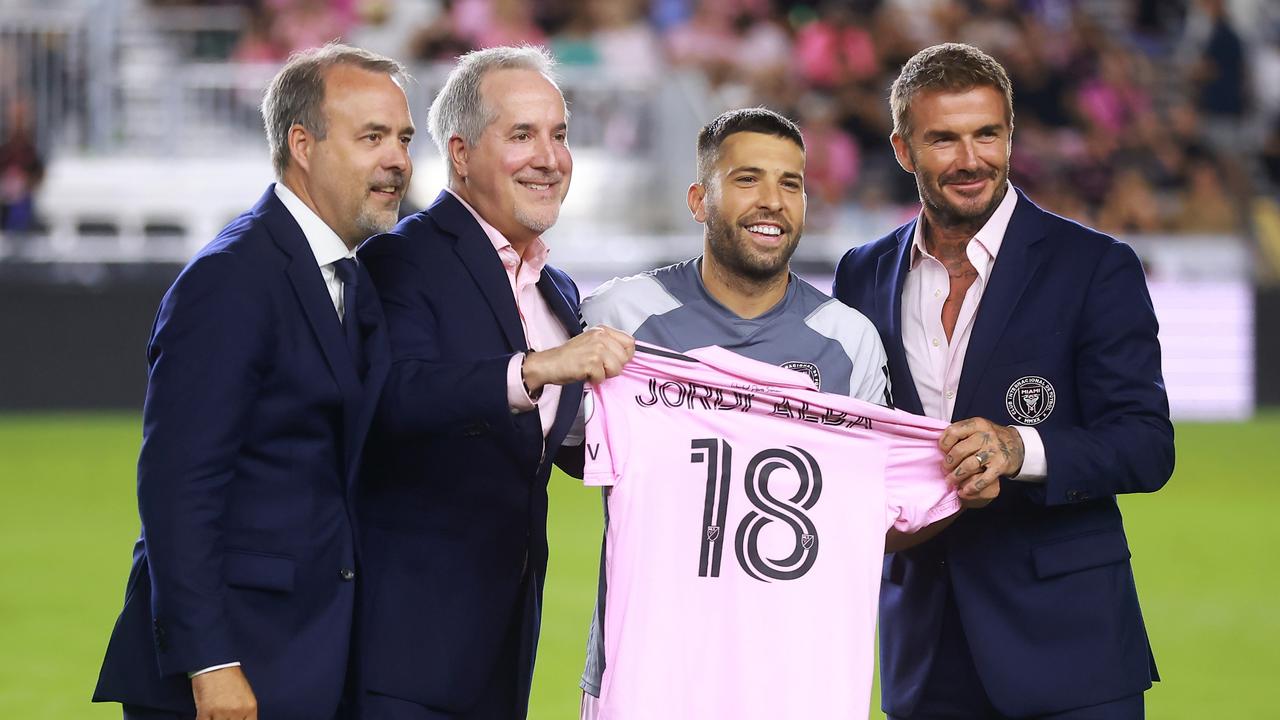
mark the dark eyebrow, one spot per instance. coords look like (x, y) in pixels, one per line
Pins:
(384, 129)
(931, 135)
(788, 174)
(992, 128)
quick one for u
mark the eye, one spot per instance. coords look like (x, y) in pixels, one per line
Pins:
(373, 137)
(746, 179)
(521, 136)
(561, 137)
(406, 139)
(792, 185)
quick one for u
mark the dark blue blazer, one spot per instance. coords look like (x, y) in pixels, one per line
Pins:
(1041, 577)
(253, 426)
(453, 499)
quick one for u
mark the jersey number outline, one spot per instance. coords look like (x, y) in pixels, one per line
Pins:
(717, 454)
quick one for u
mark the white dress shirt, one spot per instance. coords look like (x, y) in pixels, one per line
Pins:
(325, 243)
(935, 361)
(328, 249)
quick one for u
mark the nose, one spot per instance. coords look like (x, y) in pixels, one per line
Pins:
(770, 197)
(397, 157)
(966, 155)
(544, 155)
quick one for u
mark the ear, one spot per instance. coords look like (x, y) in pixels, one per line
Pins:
(459, 156)
(697, 199)
(902, 151)
(301, 144)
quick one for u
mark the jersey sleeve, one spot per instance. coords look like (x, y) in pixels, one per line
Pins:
(917, 493)
(606, 444)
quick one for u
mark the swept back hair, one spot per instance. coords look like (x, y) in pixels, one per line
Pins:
(459, 109)
(949, 67)
(295, 95)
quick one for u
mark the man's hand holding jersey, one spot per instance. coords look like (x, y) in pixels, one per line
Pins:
(979, 453)
(593, 356)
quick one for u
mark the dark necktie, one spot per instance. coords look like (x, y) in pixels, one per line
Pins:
(346, 270)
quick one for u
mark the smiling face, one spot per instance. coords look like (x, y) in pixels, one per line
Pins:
(958, 150)
(357, 175)
(753, 205)
(517, 173)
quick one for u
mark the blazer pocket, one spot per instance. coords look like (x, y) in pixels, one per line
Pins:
(1080, 553)
(258, 571)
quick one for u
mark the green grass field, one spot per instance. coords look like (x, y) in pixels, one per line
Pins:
(1203, 551)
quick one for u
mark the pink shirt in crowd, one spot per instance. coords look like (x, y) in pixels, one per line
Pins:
(747, 516)
(542, 330)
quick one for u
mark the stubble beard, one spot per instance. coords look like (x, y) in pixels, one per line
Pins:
(737, 258)
(538, 221)
(953, 217)
(370, 222)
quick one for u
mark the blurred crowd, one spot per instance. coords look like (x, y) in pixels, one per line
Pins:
(1131, 115)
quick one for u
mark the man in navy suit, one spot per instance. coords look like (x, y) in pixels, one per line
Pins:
(1040, 332)
(266, 361)
(488, 360)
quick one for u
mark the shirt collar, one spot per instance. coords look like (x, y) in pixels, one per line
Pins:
(535, 257)
(325, 243)
(990, 236)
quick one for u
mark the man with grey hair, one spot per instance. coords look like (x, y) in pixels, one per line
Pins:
(1036, 338)
(488, 361)
(266, 361)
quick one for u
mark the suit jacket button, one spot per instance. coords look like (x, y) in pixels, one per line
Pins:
(347, 574)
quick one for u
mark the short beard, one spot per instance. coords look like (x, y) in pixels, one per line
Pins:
(375, 222)
(738, 260)
(951, 217)
(535, 223)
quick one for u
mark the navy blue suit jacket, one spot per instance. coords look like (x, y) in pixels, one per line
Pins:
(453, 499)
(252, 430)
(1041, 577)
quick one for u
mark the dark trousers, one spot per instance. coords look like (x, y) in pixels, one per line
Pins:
(501, 699)
(954, 691)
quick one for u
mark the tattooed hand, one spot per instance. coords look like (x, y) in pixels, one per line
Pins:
(979, 453)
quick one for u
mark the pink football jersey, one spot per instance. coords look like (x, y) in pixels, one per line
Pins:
(747, 516)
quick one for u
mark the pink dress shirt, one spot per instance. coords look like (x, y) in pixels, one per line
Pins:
(542, 330)
(934, 361)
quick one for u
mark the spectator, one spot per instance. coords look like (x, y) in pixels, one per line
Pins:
(1204, 207)
(1130, 206)
(21, 172)
(1221, 76)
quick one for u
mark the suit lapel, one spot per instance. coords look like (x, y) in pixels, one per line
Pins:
(377, 354)
(317, 306)
(891, 276)
(572, 323)
(482, 262)
(1015, 267)
(559, 305)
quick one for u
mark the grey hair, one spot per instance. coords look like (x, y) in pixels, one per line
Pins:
(295, 95)
(460, 111)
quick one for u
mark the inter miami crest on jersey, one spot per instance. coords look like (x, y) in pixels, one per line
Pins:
(807, 368)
